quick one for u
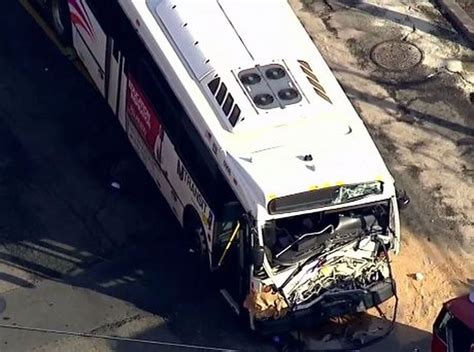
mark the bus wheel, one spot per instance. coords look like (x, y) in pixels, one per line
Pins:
(197, 247)
(61, 20)
(197, 241)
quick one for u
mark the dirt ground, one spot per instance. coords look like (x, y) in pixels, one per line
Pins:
(422, 120)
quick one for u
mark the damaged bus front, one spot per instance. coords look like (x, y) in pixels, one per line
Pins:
(330, 259)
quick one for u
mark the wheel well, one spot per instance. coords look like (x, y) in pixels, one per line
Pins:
(190, 217)
(191, 223)
(66, 37)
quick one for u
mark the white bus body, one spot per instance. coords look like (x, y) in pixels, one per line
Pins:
(249, 136)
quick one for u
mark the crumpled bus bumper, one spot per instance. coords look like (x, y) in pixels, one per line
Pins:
(329, 306)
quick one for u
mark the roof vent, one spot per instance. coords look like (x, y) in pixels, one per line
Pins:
(250, 79)
(262, 100)
(225, 100)
(314, 81)
(269, 86)
(288, 94)
(275, 73)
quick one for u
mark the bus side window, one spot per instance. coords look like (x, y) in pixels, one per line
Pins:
(180, 129)
(224, 231)
(227, 220)
(196, 152)
(108, 13)
(97, 10)
(203, 165)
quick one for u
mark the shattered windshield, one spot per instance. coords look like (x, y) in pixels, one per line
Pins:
(351, 192)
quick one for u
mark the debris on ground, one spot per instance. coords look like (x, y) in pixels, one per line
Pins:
(417, 276)
(115, 185)
(266, 304)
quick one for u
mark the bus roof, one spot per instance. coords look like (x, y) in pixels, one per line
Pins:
(225, 43)
(269, 106)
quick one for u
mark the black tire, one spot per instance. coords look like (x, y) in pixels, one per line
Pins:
(198, 254)
(61, 21)
(195, 237)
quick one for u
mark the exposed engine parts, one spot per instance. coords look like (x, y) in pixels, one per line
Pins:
(342, 273)
(329, 253)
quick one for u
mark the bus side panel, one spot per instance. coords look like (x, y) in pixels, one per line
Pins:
(137, 116)
(114, 76)
(173, 179)
(122, 107)
(155, 172)
(89, 40)
(145, 130)
(182, 181)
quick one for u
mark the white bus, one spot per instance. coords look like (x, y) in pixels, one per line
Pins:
(253, 143)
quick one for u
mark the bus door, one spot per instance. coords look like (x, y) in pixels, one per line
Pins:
(121, 42)
(89, 39)
(229, 256)
(115, 74)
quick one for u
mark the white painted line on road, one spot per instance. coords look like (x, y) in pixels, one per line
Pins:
(48, 251)
(64, 247)
(114, 338)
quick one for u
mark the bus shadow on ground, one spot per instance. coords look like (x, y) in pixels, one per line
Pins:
(160, 279)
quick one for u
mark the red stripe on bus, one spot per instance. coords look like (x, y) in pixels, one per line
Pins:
(75, 19)
(82, 14)
(86, 14)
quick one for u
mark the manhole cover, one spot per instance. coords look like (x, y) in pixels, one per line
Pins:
(396, 55)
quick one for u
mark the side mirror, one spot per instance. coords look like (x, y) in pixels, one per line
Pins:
(258, 255)
(402, 199)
